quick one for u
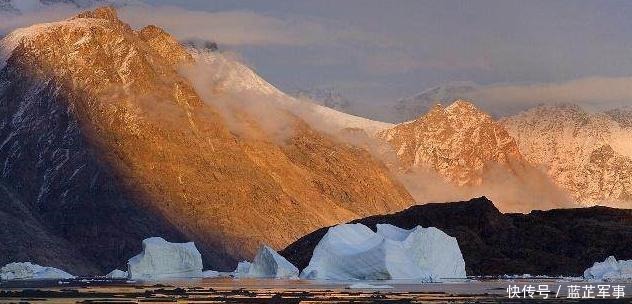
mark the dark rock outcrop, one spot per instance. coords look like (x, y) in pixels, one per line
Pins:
(555, 242)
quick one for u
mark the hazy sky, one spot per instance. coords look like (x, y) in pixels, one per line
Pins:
(380, 51)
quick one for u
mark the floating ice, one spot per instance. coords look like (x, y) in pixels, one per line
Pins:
(30, 271)
(368, 286)
(242, 269)
(267, 264)
(117, 274)
(210, 274)
(164, 260)
(430, 248)
(610, 270)
(353, 251)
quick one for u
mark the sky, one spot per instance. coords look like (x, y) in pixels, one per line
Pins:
(376, 52)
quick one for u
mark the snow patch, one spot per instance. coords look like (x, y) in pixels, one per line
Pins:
(164, 260)
(232, 76)
(30, 271)
(355, 252)
(610, 270)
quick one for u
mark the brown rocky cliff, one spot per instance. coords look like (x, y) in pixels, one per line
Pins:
(121, 128)
(458, 142)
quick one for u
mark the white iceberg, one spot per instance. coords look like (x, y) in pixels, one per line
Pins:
(164, 260)
(267, 264)
(610, 270)
(242, 269)
(117, 274)
(355, 252)
(30, 271)
(431, 249)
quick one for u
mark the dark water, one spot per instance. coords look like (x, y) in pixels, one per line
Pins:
(226, 290)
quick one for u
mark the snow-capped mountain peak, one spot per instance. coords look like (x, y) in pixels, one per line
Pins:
(589, 154)
(457, 141)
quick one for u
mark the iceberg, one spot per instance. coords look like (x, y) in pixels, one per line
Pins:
(30, 271)
(117, 274)
(610, 270)
(431, 249)
(267, 264)
(355, 252)
(164, 260)
(242, 269)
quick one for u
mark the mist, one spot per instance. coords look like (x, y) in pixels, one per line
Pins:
(593, 94)
(520, 192)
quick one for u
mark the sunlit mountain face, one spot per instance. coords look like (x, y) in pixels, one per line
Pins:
(107, 130)
(589, 154)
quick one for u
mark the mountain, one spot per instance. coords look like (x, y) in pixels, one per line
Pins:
(621, 115)
(410, 107)
(328, 97)
(458, 152)
(109, 135)
(555, 242)
(457, 141)
(589, 154)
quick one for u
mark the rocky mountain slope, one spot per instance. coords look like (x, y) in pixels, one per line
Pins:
(589, 154)
(458, 152)
(106, 137)
(457, 141)
(555, 242)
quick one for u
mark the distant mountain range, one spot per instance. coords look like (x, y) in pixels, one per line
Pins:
(588, 154)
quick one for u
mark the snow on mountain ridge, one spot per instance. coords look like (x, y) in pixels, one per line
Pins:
(589, 154)
(233, 76)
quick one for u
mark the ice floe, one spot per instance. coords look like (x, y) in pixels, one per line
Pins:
(30, 271)
(164, 260)
(117, 274)
(267, 264)
(610, 270)
(211, 274)
(355, 252)
(368, 286)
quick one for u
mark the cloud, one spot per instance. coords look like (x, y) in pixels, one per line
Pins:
(11, 20)
(228, 27)
(594, 93)
(233, 28)
(242, 27)
(522, 191)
